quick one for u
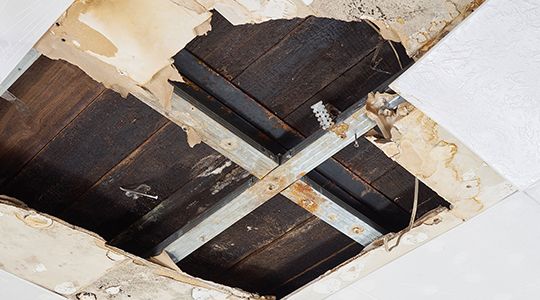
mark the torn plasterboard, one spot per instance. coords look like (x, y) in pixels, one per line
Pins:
(412, 22)
(445, 165)
(78, 264)
(127, 44)
(480, 83)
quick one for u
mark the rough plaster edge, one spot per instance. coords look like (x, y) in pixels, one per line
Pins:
(119, 258)
(89, 43)
(442, 163)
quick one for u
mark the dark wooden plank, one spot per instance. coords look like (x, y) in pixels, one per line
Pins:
(165, 162)
(367, 161)
(332, 261)
(276, 135)
(258, 229)
(99, 138)
(291, 255)
(398, 184)
(55, 92)
(174, 212)
(231, 49)
(312, 56)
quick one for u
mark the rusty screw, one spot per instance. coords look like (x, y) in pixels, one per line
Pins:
(357, 230)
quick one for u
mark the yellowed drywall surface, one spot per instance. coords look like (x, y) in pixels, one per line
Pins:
(76, 263)
(127, 44)
(445, 165)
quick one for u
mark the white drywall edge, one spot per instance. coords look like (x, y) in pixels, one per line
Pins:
(493, 256)
(481, 84)
(13, 287)
(22, 23)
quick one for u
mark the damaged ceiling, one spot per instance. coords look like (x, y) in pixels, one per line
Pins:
(78, 156)
(141, 174)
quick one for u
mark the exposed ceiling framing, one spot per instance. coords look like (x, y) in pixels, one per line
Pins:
(248, 115)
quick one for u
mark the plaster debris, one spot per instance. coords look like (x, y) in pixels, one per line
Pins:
(65, 288)
(215, 171)
(113, 290)
(80, 265)
(193, 138)
(444, 164)
(40, 268)
(414, 23)
(121, 45)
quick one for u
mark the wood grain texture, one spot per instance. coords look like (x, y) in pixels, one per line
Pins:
(398, 185)
(55, 92)
(258, 229)
(332, 261)
(231, 49)
(164, 162)
(308, 59)
(183, 205)
(367, 161)
(99, 138)
(287, 257)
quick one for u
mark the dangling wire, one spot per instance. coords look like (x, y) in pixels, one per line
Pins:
(411, 222)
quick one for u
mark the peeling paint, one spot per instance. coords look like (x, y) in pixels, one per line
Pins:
(121, 45)
(445, 165)
(129, 50)
(414, 23)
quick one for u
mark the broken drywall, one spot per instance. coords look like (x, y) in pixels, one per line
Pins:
(127, 44)
(445, 165)
(484, 73)
(412, 22)
(78, 264)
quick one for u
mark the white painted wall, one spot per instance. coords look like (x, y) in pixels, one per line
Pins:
(481, 83)
(493, 256)
(22, 23)
(14, 288)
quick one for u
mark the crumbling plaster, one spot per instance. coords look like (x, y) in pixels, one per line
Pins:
(417, 143)
(445, 165)
(127, 44)
(78, 265)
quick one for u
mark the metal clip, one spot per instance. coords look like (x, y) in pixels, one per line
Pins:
(140, 191)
